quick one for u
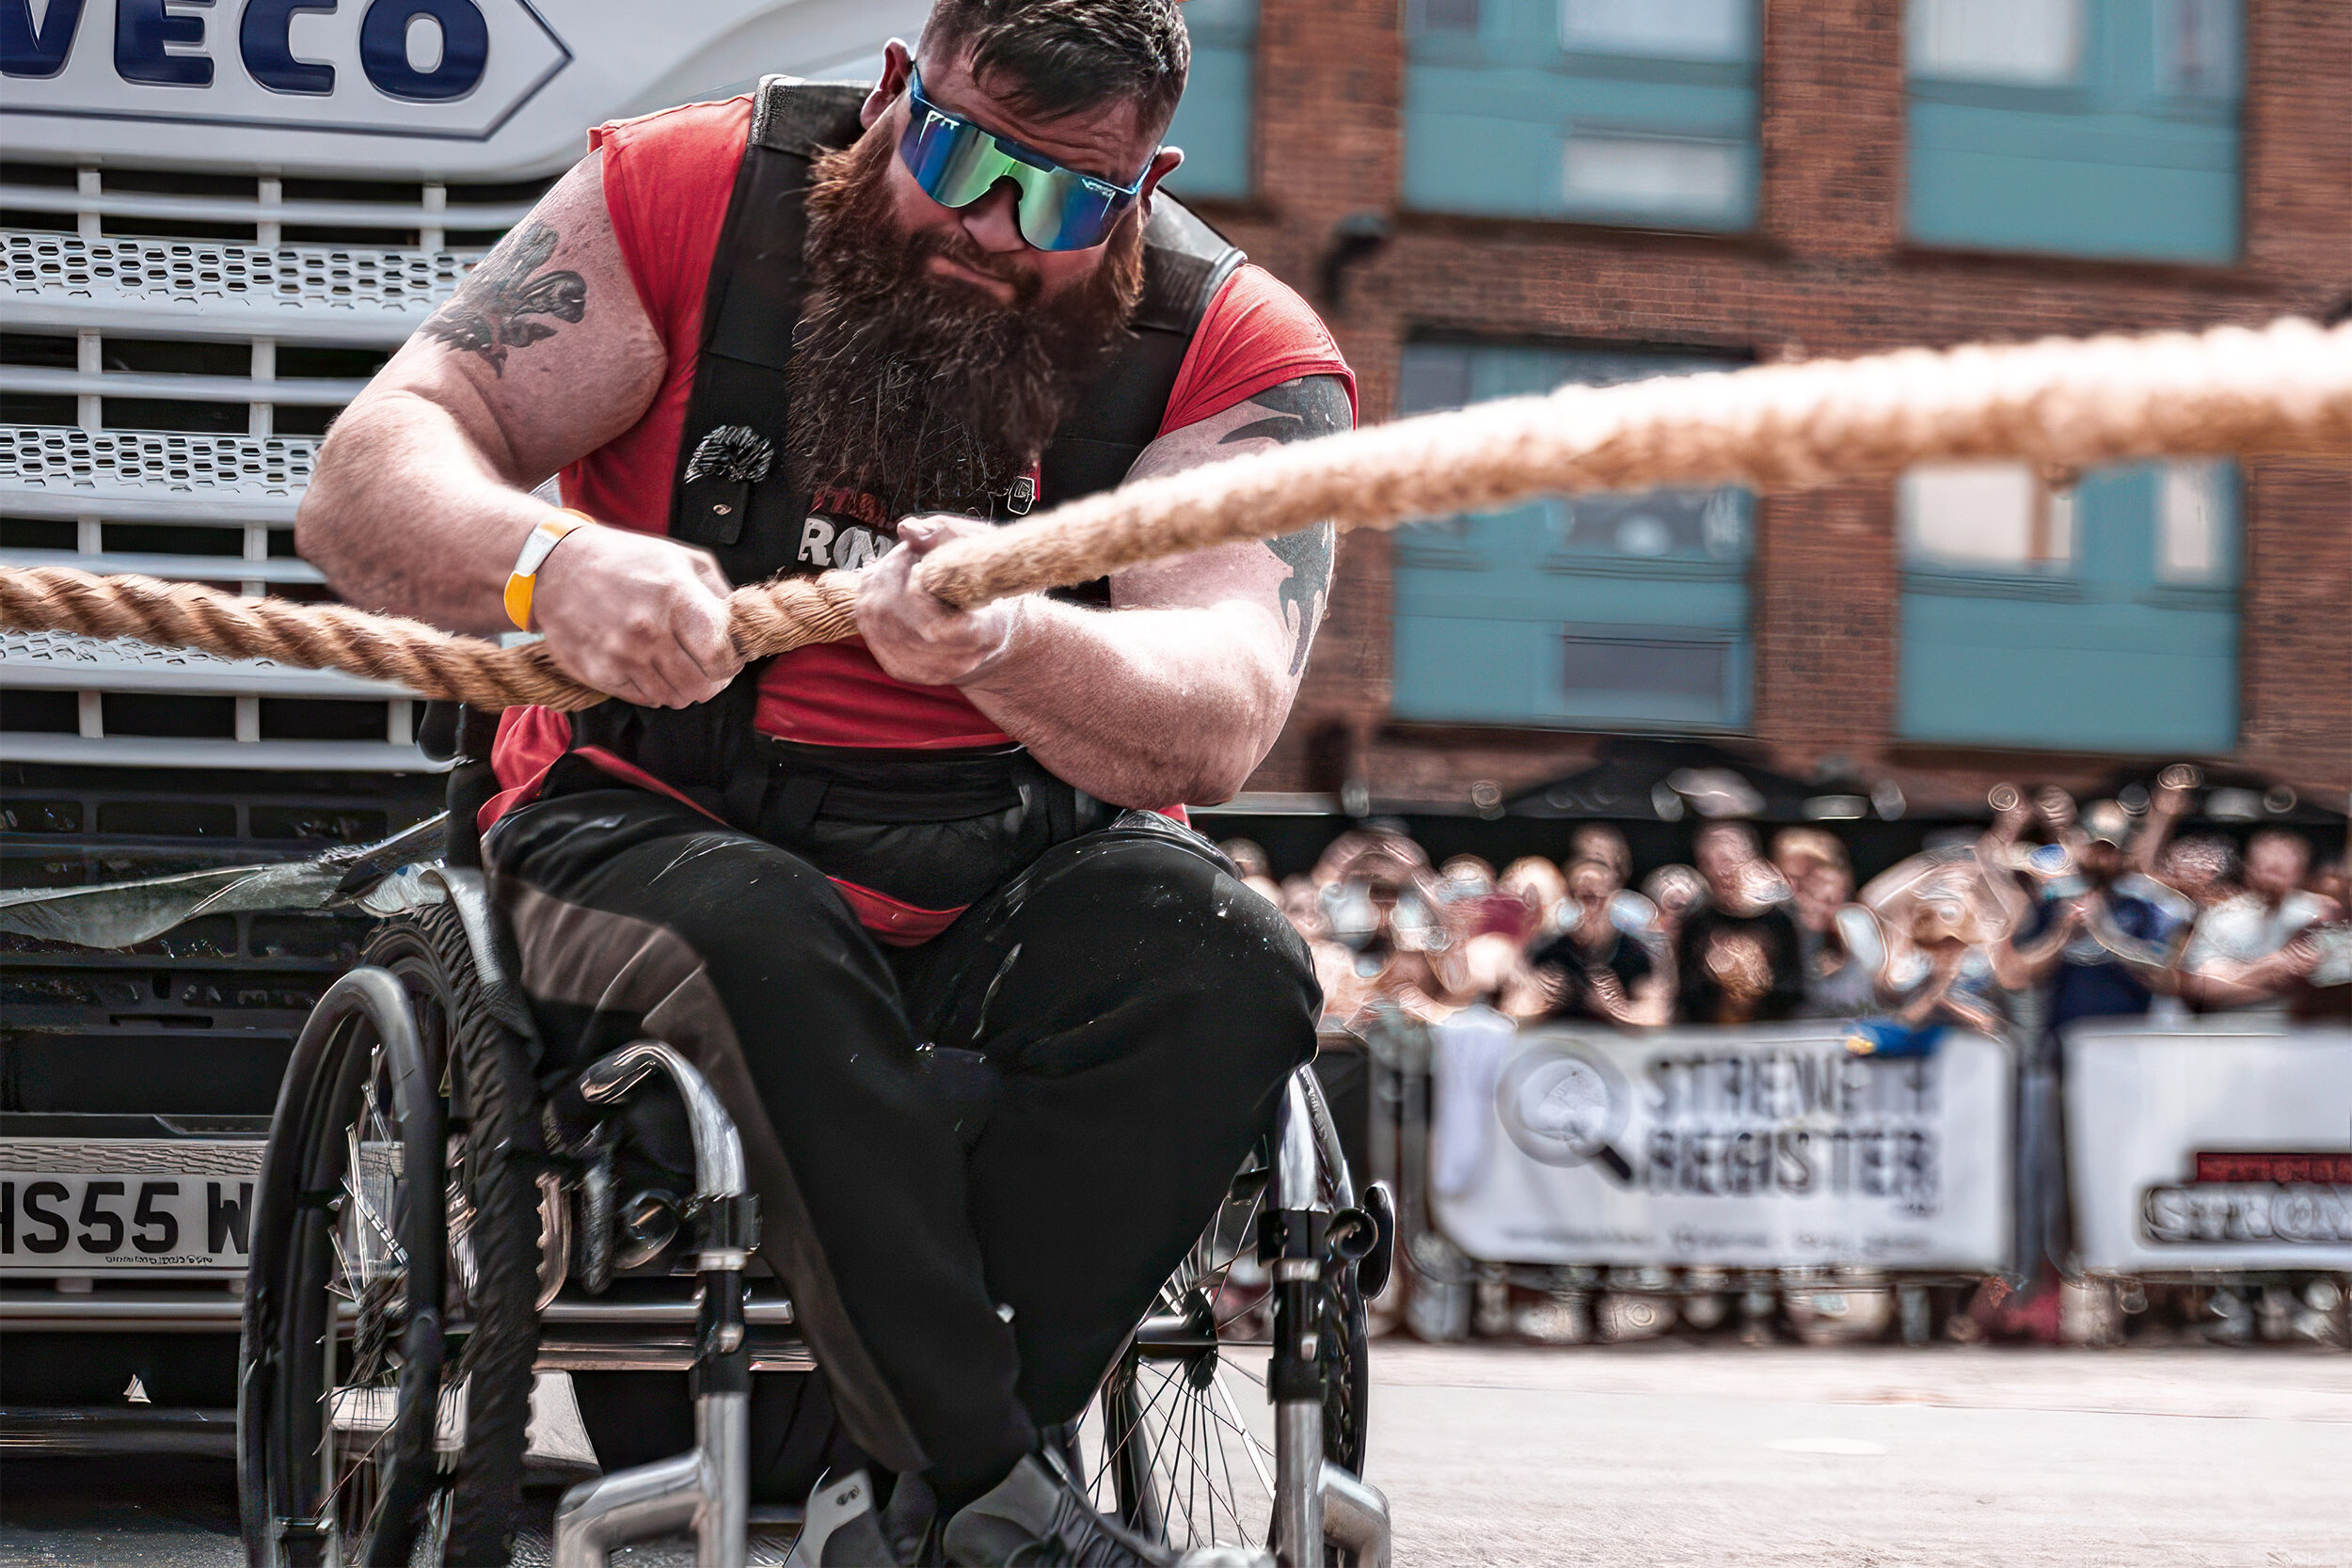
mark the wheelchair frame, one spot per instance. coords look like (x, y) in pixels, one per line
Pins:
(1303, 1237)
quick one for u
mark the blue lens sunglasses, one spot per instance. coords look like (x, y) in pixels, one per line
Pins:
(957, 163)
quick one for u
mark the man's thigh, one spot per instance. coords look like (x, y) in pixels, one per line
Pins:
(1142, 1010)
(636, 916)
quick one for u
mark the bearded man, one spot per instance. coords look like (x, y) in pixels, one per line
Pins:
(997, 1028)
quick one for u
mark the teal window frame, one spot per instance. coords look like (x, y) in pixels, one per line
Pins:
(2109, 165)
(1489, 116)
(1491, 611)
(1215, 124)
(2098, 654)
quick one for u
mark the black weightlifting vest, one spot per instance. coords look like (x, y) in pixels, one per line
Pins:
(970, 816)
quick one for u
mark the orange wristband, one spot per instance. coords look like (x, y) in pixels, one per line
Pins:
(550, 533)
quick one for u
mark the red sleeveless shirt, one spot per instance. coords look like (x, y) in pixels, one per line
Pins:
(668, 178)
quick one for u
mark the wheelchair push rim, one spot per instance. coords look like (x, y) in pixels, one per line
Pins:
(382, 1384)
(342, 1389)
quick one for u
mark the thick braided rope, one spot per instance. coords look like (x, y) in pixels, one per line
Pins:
(769, 619)
(2058, 403)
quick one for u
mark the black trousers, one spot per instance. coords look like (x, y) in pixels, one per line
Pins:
(1037, 1110)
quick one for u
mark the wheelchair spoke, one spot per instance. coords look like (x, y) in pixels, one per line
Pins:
(368, 1268)
(1204, 1500)
(1169, 1419)
(1228, 1419)
(339, 1281)
(1130, 1434)
(372, 1176)
(1183, 1436)
(464, 1280)
(1250, 1443)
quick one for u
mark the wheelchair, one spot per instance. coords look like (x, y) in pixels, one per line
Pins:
(435, 1228)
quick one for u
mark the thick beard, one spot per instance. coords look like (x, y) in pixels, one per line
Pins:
(921, 391)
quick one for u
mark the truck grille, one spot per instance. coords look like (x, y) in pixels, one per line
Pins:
(173, 346)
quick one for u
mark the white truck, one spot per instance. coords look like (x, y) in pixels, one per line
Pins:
(219, 219)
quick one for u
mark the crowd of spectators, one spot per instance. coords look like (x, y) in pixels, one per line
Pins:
(2056, 912)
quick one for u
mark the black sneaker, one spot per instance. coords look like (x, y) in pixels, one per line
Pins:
(1038, 1517)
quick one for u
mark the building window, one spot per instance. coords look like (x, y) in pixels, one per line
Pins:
(2102, 618)
(1973, 515)
(1213, 123)
(2100, 128)
(1608, 612)
(1998, 41)
(1605, 111)
(2197, 49)
(1666, 29)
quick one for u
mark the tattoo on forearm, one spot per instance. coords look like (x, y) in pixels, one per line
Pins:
(491, 312)
(1297, 411)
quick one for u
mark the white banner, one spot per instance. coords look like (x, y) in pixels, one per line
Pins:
(1766, 1146)
(2222, 1144)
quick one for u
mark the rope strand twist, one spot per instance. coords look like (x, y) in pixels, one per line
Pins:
(2058, 403)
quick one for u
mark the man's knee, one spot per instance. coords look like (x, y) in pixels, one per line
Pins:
(1130, 931)
(1170, 884)
(1191, 908)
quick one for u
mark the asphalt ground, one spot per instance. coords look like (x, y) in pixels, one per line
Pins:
(1867, 1458)
(1670, 1454)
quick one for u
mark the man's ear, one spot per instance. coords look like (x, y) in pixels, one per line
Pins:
(897, 66)
(1164, 164)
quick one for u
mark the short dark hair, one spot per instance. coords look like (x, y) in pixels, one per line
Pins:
(1064, 57)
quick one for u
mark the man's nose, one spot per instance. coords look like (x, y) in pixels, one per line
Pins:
(994, 220)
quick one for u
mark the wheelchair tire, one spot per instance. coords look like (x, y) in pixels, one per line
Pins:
(344, 1235)
(1175, 1457)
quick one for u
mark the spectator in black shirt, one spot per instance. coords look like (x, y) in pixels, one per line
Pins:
(1597, 970)
(1738, 959)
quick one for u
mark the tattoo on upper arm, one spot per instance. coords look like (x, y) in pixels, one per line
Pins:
(491, 312)
(1300, 410)
(1297, 410)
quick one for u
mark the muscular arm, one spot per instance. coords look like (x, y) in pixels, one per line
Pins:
(421, 499)
(1178, 691)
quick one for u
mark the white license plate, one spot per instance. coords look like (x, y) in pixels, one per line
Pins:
(131, 1206)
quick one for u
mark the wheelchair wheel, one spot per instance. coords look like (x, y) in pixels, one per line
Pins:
(391, 1304)
(1184, 1450)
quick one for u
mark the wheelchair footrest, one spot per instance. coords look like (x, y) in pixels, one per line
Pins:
(1354, 1516)
(705, 1489)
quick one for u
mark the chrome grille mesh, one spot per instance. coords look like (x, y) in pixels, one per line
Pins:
(152, 464)
(57, 659)
(62, 268)
(112, 270)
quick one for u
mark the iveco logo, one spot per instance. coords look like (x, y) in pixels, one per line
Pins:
(428, 68)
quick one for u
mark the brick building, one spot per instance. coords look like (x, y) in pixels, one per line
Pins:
(1598, 189)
